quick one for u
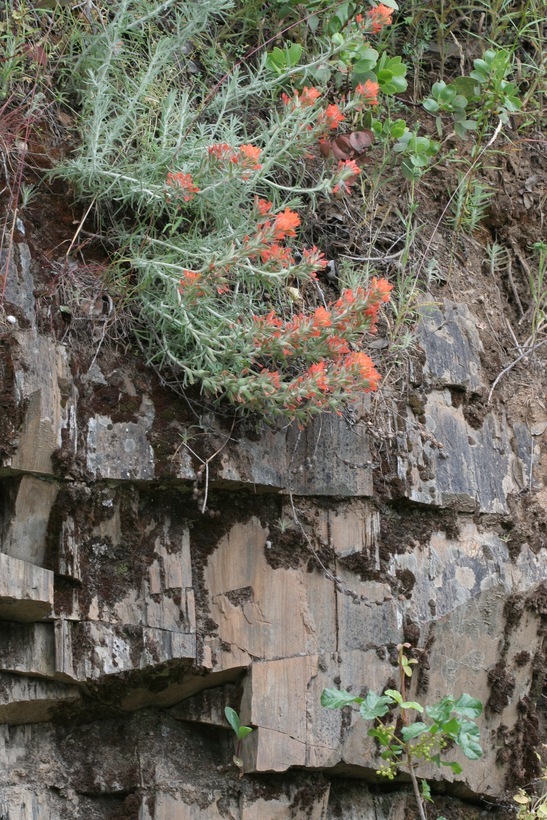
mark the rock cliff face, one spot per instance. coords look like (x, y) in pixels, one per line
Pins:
(157, 564)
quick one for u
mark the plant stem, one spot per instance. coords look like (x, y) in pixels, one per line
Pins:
(415, 786)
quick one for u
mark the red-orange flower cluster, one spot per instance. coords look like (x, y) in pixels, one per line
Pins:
(347, 173)
(331, 117)
(305, 99)
(190, 284)
(379, 17)
(285, 224)
(368, 92)
(182, 185)
(245, 157)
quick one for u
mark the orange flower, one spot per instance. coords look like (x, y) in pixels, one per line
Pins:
(248, 157)
(348, 171)
(309, 96)
(220, 150)
(321, 318)
(277, 253)
(190, 281)
(272, 377)
(262, 205)
(318, 373)
(337, 346)
(369, 92)
(364, 366)
(304, 100)
(183, 183)
(381, 288)
(379, 17)
(331, 116)
(285, 224)
(313, 256)
(347, 297)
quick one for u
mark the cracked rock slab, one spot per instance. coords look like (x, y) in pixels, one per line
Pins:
(26, 591)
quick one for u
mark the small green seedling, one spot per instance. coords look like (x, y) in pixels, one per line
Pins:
(417, 153)
(240, 732)
(446, 99)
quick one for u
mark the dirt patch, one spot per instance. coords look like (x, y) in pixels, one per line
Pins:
(529, 524)
(502, 687)
(12, 412)
(405, 527)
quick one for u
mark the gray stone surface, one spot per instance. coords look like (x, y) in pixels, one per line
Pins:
(472, 469)
(31, 700)
(19, 291)
(46, 393)
(26, 591)
(25, 532)
(121, 450)
(451, 342)
(27, 649)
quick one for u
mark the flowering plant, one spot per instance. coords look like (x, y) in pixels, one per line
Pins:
(226, 296)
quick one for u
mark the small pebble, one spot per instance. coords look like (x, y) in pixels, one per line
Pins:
(11, 319)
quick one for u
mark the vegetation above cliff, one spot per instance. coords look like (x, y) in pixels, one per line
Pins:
(263, 174)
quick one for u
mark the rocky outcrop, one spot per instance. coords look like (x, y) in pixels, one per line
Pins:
(156, 566)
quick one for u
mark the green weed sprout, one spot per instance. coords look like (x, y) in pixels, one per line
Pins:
(444, 723)
(240, 732)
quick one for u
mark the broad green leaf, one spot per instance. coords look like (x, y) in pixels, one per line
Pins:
(481, 65)
(294, 52)
(418, 160)
(452, 727)
(233, 719)
(362, 69)
(368, 54)
(398, 68)
(243, 732)
(400, 85)
(337, 698)
(431, 106)
(440, 711)
(397, 129)
(480, 76)
(313, 22)
(448, 94)
(395, 694)
(467, 87)
(375, 706)
(384, 75)
(412, 704)
(468, 739)
(414, 730)
(467, 706)
(334, 25)
(408, 171)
